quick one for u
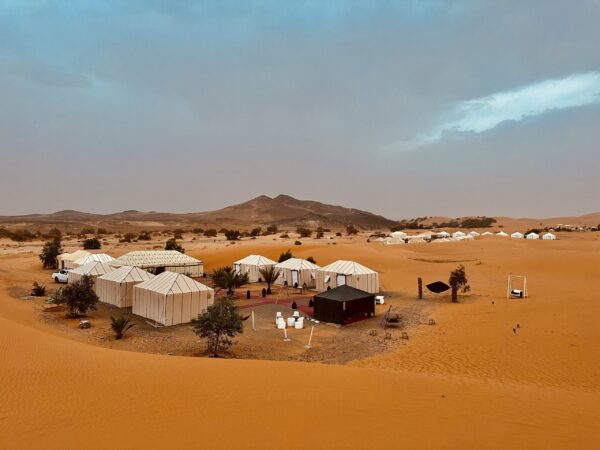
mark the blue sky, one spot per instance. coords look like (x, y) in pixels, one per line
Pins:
(225, 100)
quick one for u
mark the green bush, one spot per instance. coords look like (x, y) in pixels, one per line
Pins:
(172, 244)
(92, 244)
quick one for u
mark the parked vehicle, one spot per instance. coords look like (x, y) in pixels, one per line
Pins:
(62, 276)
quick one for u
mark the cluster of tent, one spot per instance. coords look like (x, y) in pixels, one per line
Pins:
(400, 237)
(298, 272)
(155, 284)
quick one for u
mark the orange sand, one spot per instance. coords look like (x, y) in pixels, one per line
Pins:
(466, 382)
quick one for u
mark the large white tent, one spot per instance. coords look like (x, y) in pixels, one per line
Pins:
(532, 235)
(93, 257)
(251, 265)
(549, 237)
(94, 269)
(501, 233)
(171, 298)
(517, 235)
(157, 261)
(347, 272)
(473, 234)
(116, 287)
(458, 234)
(487, 233)
(297, 273)
(67, 260)
(443, 234)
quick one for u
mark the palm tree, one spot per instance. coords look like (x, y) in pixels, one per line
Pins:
(227, 278)
(120, 325)
(270, 275)
(458, 280)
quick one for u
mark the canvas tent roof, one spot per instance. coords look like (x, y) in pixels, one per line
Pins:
(127, 273)
(487, 233)
(344, 293)
(94, 257)
(74, 256)
(297, 264)
(501, 233)
(93, 268)
(458, 234)
(155, 258)
(256, 260)
(516, 235)
(171, 282)
(549, 236)
(347, 268)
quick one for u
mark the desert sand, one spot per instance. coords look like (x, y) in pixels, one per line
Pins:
(467, 382)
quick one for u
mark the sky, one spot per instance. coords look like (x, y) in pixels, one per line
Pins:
(403, 108)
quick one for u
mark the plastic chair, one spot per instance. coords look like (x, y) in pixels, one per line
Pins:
(281, 324)
(291, 321)
(299, 324)
(296, 314)
(278, 316)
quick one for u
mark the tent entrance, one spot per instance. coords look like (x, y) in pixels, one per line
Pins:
(340, 279)
(295, 279)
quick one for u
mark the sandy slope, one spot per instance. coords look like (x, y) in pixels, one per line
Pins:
(466, 382)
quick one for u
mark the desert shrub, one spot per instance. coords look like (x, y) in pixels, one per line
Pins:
(92, 244)
(198, 230)
(320, 234)
(232, 235)
(272, 229)
(54, 233)
(256, 231)
(127, 237)
(144, 236)
(284, 236)
(172, 244)
(285, 256)
(311, 259)
(478, 222)
(49, 254)
(211, 232)
(87, 230)
(38, 290)
(22, 235)
(338, 234)
(351, 230)
(303, 232)
(297, 243)
(101, 231)
(80, 297)
(57, 297)
(120, 325)
(178, 233)
(223, 230)
(218, 325)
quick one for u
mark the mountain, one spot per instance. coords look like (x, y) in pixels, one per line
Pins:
(282, 210)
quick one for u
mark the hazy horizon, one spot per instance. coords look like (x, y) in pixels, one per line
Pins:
(403, 109)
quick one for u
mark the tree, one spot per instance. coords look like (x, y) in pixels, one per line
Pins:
(80, 296)
(178, 233)
(311, 259)
(272, 229)
(351, 229)
(143, 236)
(49, 254)
(285, 256)
(92, 244)
(320, 234)
(218, 325)
(303, 232)
(227, 278)
(256, 231)
(270, 275)
(172, 244)
(458, 280)
(232, 235)
(120, 325)
(211, 232)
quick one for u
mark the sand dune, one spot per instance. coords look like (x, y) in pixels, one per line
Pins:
(466, 382)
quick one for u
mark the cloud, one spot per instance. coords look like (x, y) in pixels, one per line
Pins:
(485, 113)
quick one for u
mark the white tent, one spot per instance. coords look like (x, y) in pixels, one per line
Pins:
(171, 298)
(501, 233)
(94, 269)
(297, 272)
(473, 234)
(93, 257)
(347, 272)
(443, 234)
(458, 234)
(157, 261)
(549, 237)
(487, 233)
(532, 235)
(398, 234)
(67, 260)
(251, 265)
(517, 235)
(116, 287)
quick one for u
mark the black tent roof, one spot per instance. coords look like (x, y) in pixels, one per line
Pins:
(344, 293)
(438, 287)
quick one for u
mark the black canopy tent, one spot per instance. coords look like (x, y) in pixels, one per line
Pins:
(437, 287)
(343, 303)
